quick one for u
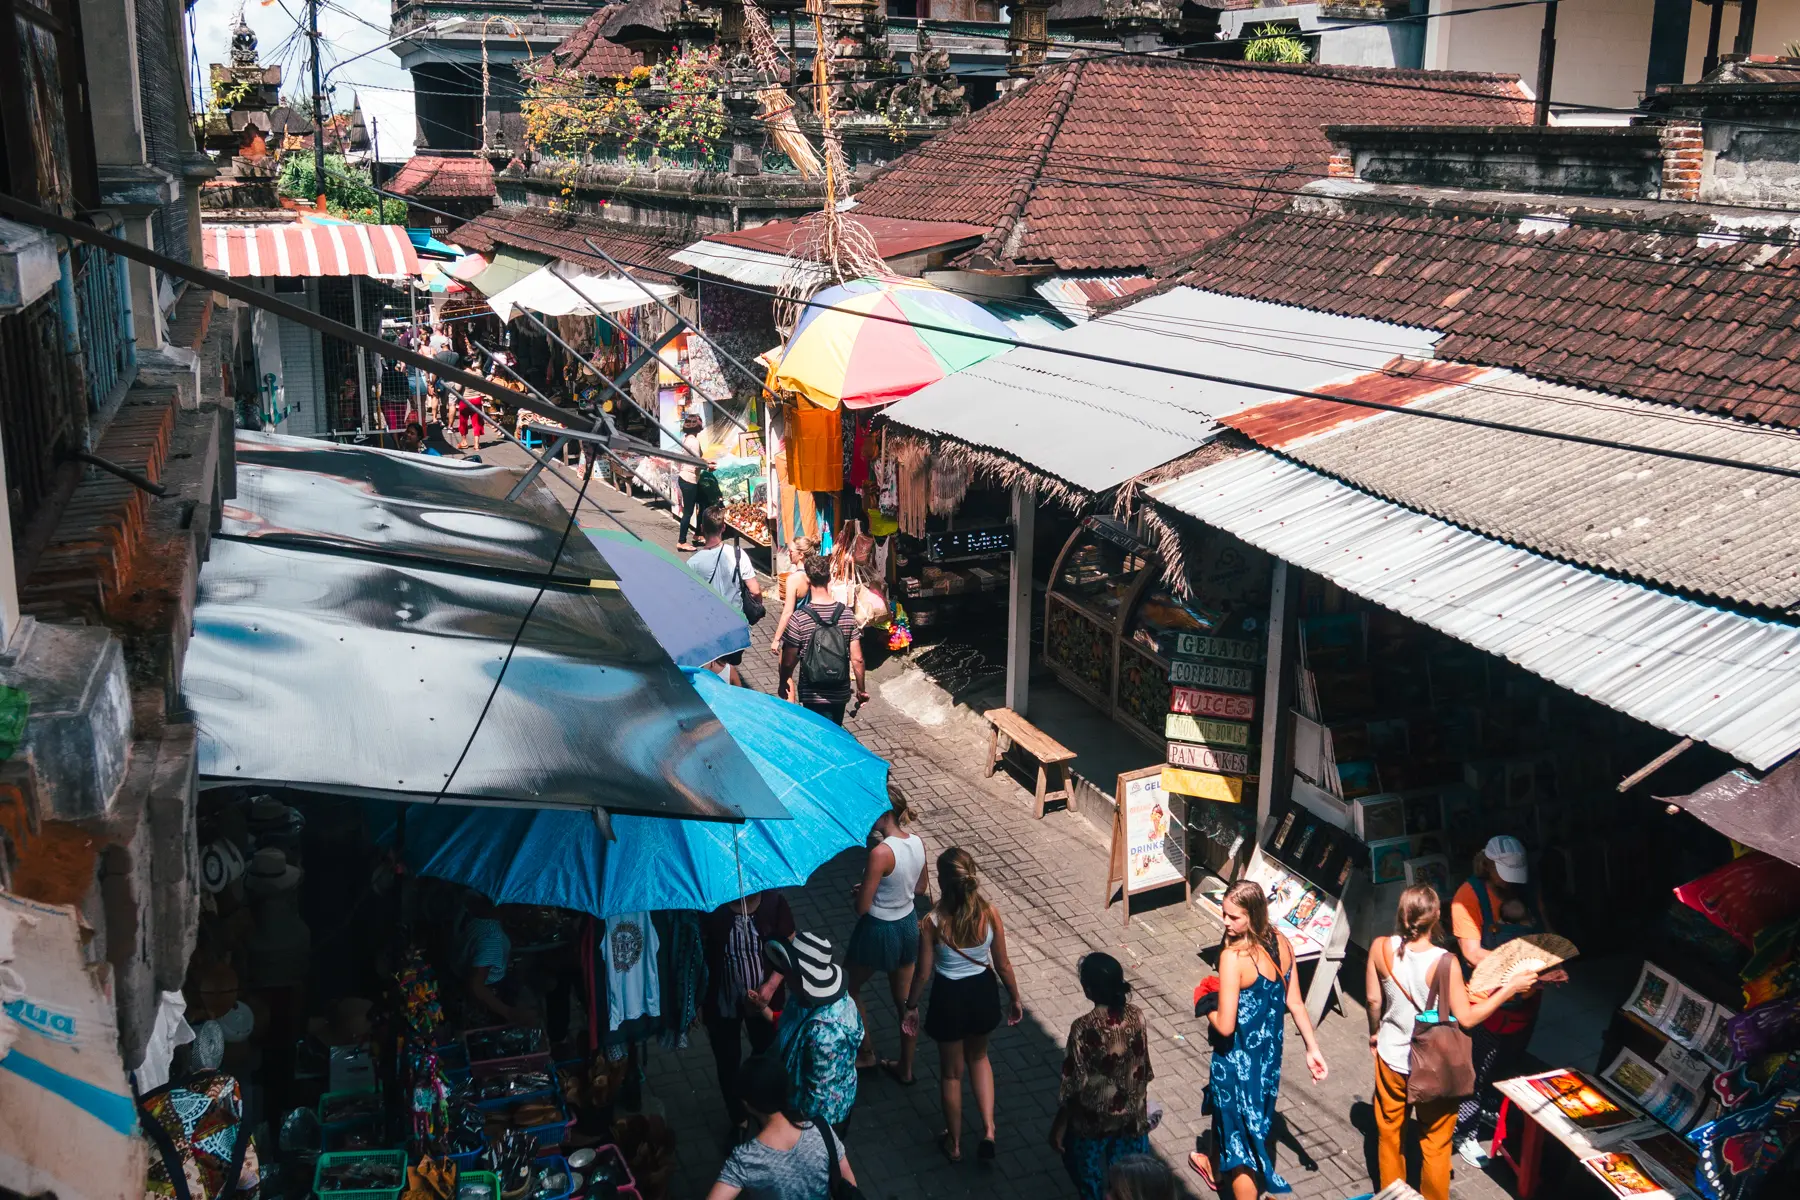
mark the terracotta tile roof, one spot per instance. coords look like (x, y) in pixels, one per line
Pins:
(431, 176)
(562, 234)
(1658, 301)
(588, 52)
(1117, 163)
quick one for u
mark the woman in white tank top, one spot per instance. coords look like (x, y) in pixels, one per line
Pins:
(886, 937)
(1403, 971)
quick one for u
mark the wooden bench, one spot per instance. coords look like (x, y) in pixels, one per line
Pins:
(1047, 750)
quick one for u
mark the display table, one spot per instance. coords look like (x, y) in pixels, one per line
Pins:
(1596, 1148)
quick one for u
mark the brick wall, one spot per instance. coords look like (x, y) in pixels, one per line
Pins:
(1683, 157)
(1341, 165)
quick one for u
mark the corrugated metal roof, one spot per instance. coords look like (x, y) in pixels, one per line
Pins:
(1719, 677)
(1714, 530)
(1095, 425)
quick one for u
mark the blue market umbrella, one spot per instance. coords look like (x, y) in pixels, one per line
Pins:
(687, 618)
(833, 787)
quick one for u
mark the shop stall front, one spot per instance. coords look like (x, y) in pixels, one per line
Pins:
(1429, 689)
(416, 971)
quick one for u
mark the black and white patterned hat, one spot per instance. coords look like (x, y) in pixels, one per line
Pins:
(813, 978)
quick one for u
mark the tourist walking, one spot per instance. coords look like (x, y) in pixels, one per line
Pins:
(886, 937)
(688, 477)
(794, 585)
(820, 1030)
(729, 572)
(1104, 1112)
(790, 1158)
(1410, 974)
(1256, 982)
(962, 951)
(820, 650)
(1495, 905)
(742, 991)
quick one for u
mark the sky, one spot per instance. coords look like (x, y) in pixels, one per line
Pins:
(384, 89)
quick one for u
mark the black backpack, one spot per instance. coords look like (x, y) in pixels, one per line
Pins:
(825, 663)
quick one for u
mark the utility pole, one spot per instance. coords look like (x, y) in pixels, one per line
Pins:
(318, 95)
(1546, 63)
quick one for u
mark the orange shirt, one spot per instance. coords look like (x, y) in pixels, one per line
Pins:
(1465, 911)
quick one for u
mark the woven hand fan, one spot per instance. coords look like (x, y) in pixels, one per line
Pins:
(1533, 952)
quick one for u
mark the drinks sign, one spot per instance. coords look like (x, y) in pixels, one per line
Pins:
(1208, 675)
(1199, 645)
(1149, 845)
(1206, 758)
(1211, 704)
(1184, 728)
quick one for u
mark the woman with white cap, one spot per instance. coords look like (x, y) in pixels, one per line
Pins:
(1496, 904)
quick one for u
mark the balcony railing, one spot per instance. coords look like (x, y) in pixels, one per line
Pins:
(103, 322)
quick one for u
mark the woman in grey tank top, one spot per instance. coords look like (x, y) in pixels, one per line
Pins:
(886, 937)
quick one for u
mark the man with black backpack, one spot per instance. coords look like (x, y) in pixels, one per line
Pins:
(821, 642)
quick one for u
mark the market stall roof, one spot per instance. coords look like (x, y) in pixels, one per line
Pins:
(1763, 814)
(1689, 668)
(355, 613)
(761, 256)
(289, 249)
(564, 289)
(505, 267)
(1095, 425)
(1704, 528)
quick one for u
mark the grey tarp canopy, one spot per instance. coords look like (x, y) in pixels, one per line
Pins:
(1762, 814)
(356, 608)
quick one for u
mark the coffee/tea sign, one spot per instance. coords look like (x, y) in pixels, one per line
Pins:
(1206, 758)
(1211, 704)
(1200, 645)
(1207, 675)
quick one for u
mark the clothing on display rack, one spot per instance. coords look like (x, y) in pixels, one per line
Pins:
(629, 950)
(683, 978)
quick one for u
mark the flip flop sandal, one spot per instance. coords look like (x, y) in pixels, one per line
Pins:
(891, 1068)
(951, 1152)
(1202, 1165)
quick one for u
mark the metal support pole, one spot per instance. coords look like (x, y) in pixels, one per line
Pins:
(362, 360)
(1746, 33)
(318, 96)
(1275, 770)
(1714, 28)
(1547, 62)
(1018, 600)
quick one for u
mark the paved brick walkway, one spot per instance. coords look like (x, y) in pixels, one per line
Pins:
(1047, 878)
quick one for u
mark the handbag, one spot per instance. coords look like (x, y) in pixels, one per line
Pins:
(1440, 1063)
(841, 1188)
(751, 602)
(203, 1142)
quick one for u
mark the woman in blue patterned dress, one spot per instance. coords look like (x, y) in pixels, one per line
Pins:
(1256, 983)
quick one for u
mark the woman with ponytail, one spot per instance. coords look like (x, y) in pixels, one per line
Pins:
(962, 947)
(1408, 974)
(1104, 1115)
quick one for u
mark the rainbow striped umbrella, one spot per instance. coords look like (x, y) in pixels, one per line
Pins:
(838, 355)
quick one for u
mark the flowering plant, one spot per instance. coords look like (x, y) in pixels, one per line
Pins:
(567, 114)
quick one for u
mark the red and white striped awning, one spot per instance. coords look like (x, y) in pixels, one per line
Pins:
(308, 249)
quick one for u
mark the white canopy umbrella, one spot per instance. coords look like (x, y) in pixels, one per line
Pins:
(563, 289)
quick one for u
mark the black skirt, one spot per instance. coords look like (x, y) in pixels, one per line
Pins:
(963, 1008)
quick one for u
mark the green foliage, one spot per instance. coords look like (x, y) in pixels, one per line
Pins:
(672, 108)
(349, 193)
(1274, 44)
(231, 93)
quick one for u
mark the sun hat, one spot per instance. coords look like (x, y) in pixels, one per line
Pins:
(270, 872)
(1508, 856)
(813, 979)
